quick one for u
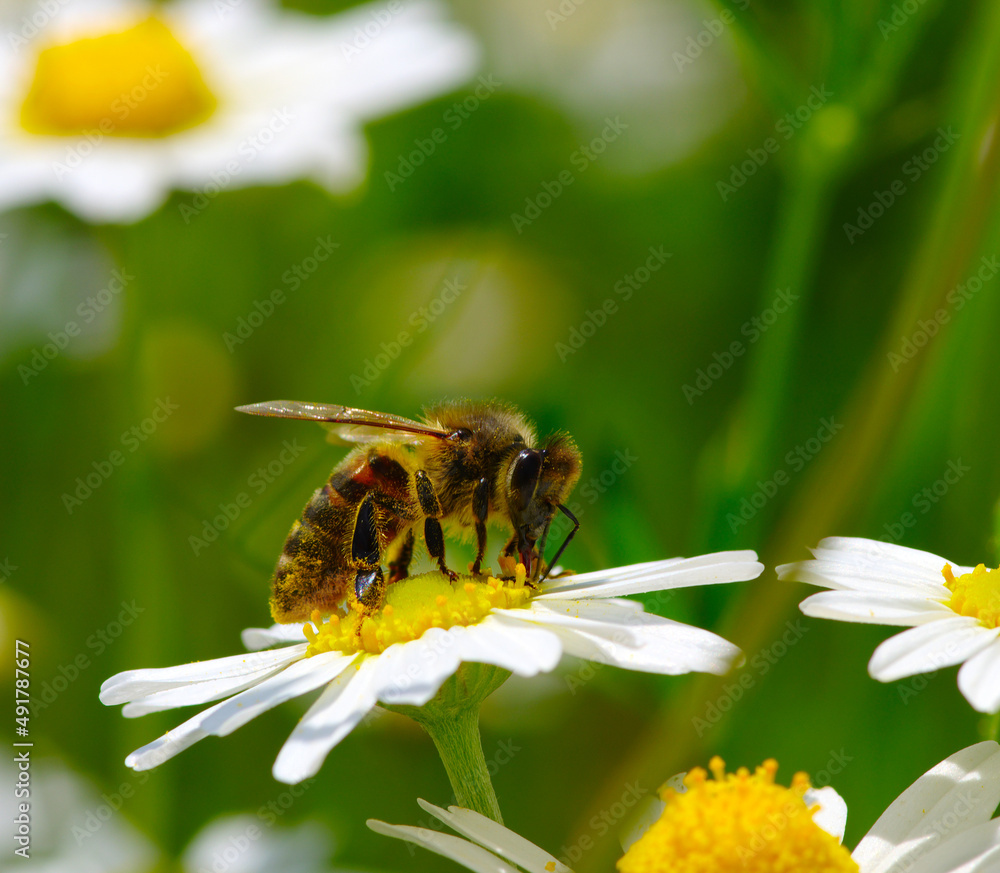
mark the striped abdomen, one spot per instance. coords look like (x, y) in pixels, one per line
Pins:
(315, 570)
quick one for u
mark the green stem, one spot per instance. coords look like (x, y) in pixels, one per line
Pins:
(451, 719)
(459, 744)
(990, 727)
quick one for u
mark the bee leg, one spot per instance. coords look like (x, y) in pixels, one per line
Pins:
(369, 584)
(400, 568)
(480, 509)
(431, 508)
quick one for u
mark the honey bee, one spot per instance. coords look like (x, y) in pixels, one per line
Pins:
(465, 464)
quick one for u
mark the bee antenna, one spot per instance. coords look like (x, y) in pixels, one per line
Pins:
(569, 536)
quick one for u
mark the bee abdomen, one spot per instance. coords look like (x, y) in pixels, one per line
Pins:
(313, 570)
(324, 512)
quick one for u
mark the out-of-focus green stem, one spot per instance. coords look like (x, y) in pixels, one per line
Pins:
(747, 449)
(141, 557)
(778, 80)
(990, 728)
(835, 484)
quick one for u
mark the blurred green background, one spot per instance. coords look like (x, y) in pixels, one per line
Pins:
(819, 108)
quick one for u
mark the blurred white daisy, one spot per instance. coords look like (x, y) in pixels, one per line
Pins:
(953, 611)
(69, 823)
(116, 102)
(428, 627)
(747, 822)
(256, 844)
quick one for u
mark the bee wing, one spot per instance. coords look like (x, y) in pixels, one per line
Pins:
(347, 424)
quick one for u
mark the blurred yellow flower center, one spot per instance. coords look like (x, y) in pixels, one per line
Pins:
(140, 82)
(737, 822)
(412, 607)
(975, 594)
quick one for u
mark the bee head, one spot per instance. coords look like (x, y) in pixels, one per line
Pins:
(538, 480)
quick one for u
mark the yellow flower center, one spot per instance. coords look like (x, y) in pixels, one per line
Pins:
(413, 606)
(975, 594)
(139, 82)
(737, 822)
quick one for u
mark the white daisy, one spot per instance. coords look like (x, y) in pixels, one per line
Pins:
(116, 102)
(744, 822)
(428, 627)
(954, 611)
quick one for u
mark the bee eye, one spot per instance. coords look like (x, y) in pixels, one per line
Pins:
(524, 476)
(462, 434)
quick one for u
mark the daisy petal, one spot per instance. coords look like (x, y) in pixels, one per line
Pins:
(467, 854)
(336, 712)
(659, 575)
(190, 695)
(929, 647)
(882, 580)
(878, 550)
(525, 651)
(171, 743)
(255, 638)
(612, 609)
(136, 684)
(832, 812)
(672, 649)
(496, 838)
(681, 648)
(537, 614)
(298, 679)
(978, 851)
(413, 672)
(225, 717)
(959, 793)
(692, 649)
(979, 679)
(874, 608)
